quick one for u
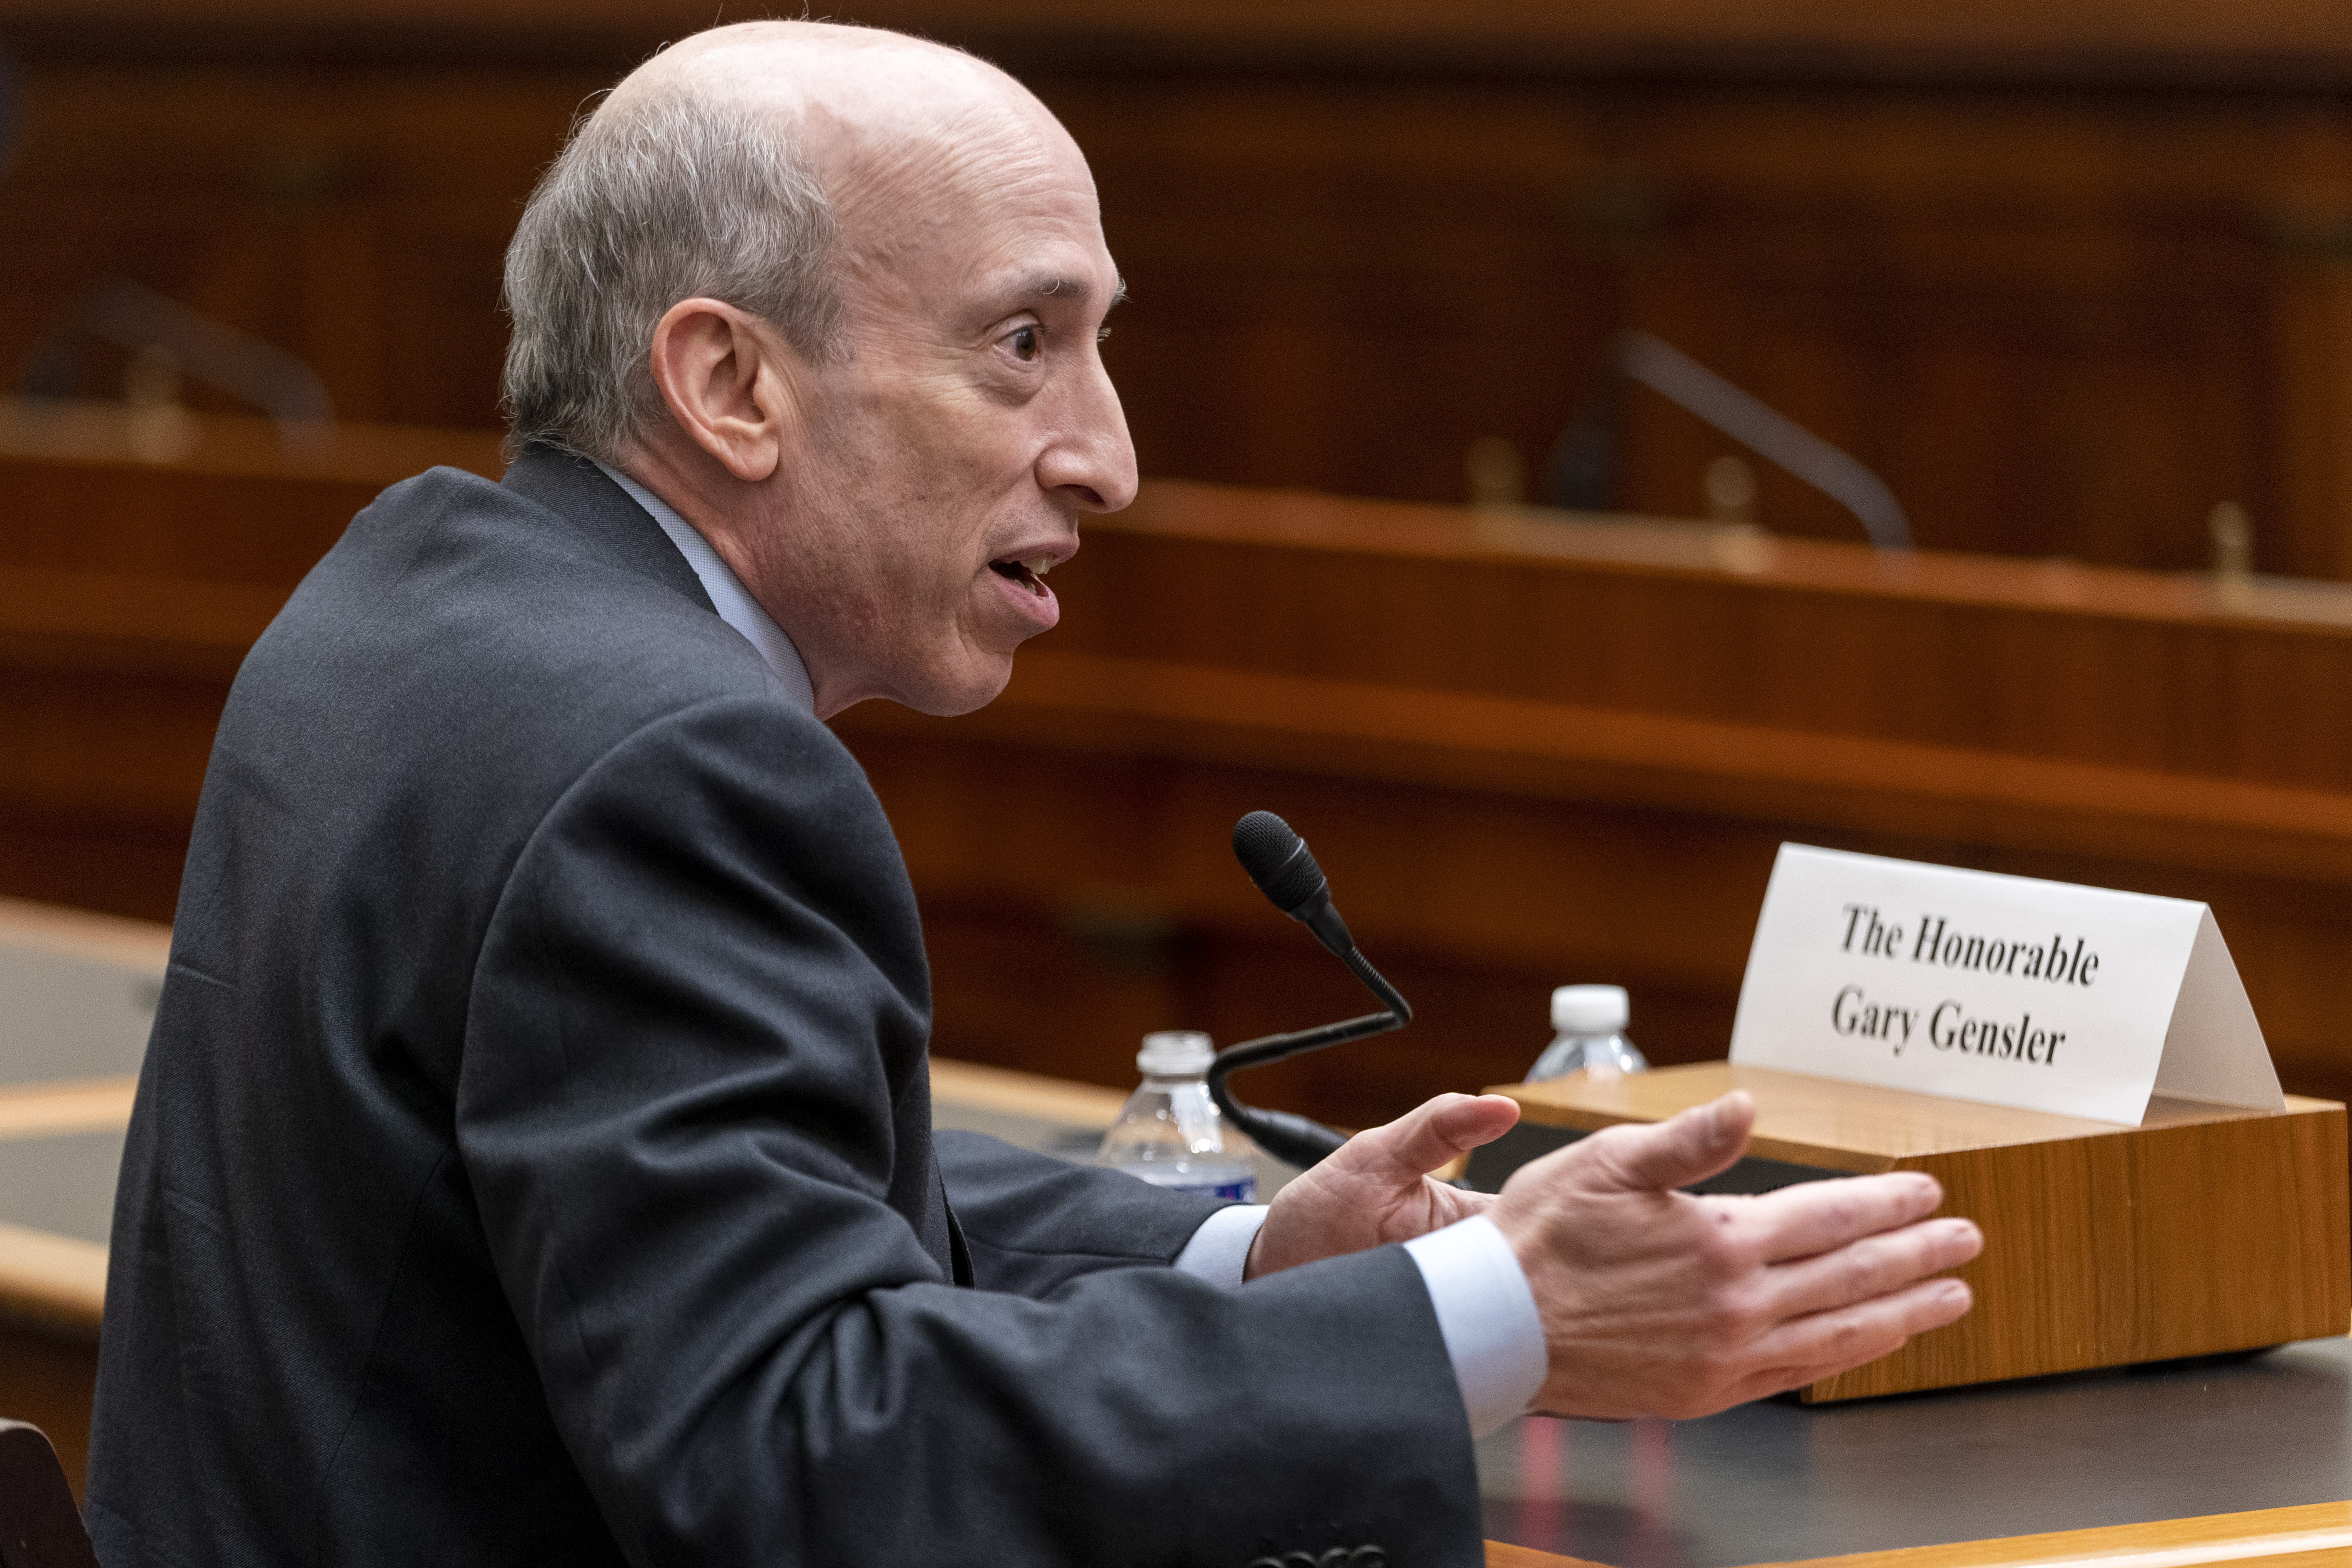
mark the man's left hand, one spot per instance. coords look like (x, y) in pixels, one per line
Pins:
(1376, 1188)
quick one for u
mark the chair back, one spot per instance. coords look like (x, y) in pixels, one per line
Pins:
(39, 1526)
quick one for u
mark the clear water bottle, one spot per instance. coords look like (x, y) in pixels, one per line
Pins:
(1170, 1133)
(1589, 1034)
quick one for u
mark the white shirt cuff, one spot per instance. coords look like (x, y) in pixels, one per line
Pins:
(1487, 1316)
(1220, 1248)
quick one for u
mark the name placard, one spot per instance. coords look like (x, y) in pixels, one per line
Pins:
(2042, 995)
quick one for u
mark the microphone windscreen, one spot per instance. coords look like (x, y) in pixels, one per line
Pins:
(1277, 860)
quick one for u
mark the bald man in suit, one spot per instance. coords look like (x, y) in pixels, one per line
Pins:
(533, 1161)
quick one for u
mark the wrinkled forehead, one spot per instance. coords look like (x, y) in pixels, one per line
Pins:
(947, 216)
(954, 180)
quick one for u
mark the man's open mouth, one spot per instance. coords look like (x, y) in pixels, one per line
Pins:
(1029, 572)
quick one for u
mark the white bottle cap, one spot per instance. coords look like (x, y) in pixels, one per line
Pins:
(1175, 1053)
(1590, 1009)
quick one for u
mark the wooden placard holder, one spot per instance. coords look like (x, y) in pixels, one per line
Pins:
(2205, 1229)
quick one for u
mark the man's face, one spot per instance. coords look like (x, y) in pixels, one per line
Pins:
(947, 461)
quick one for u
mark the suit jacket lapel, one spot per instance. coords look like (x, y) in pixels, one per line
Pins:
(573, 489)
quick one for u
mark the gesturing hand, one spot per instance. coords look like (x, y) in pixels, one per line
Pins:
(1658, 1303)
(1376, 1189)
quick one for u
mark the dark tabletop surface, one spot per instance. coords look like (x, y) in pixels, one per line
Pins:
(1776, 1480)
(1765, 1482)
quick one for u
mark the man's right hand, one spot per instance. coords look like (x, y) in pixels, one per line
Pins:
(1655, 1302)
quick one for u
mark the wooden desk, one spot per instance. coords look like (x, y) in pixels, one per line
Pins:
(2317, 1535)
(2205, 1229)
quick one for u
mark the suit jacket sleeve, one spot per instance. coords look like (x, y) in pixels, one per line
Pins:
(1031, 1223)
(690, 1021)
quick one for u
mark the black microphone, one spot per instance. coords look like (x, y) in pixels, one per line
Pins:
(1278, 862)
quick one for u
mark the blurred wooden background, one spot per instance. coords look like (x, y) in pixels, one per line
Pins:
(2064, 274)
(1527, 751)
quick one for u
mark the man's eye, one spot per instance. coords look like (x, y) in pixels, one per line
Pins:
(1027, 343)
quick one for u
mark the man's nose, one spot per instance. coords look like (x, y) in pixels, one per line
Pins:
(1092, 458)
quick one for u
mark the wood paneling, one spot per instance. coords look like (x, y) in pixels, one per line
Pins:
(2056, 40)
(1474, 890)
(1528, 752)
(2055, 328)
(355, 216)
(128, 593)
(2065, 277)
(1524, 766)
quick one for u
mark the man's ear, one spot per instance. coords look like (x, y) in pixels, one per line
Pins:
(729, 381)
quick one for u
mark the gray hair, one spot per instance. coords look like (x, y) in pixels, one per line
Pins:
(655, 200)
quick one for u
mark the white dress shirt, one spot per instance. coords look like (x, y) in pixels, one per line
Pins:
(728, 595)
(1485, 1313)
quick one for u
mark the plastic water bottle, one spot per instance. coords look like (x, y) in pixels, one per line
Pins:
(1589, 1034)
(1170, 1133)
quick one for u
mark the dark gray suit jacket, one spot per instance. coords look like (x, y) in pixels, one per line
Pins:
(533, 1161)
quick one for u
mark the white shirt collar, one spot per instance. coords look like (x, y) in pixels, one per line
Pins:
(728, 595)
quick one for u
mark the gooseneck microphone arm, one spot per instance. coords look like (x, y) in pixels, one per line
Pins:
(1277, 860)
